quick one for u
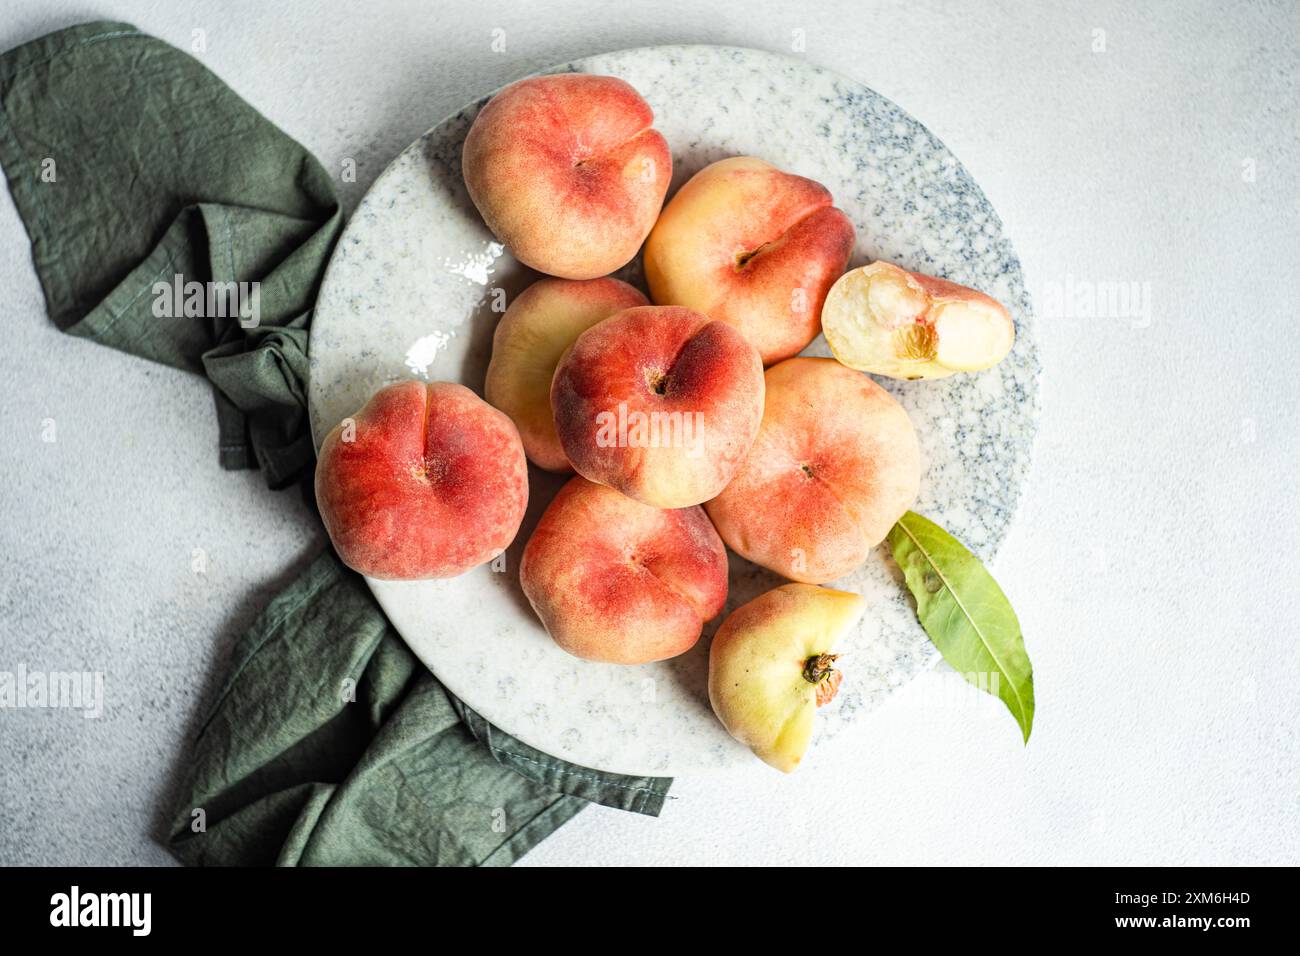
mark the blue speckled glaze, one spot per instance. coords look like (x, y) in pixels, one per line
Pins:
(410, 292)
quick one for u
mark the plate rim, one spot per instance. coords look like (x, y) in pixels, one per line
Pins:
(1030, 319)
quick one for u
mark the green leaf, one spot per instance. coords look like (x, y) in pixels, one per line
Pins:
(965, 613)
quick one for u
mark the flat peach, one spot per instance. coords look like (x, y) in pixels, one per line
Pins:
(568, 172)
(618, 581)
(752, 246)
(836, 463)
(772, 664)
(426, 481)
(659, 403)
(536, 330)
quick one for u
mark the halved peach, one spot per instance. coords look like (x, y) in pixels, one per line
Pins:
(772, 664)
(882, 319)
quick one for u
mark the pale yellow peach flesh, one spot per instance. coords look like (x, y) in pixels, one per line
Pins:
(885, 320)
(970, 336)
(762, 660)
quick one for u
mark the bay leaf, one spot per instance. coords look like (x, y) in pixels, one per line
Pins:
(965, 613)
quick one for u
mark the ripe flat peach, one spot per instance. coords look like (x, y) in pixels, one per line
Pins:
(617, 581)
(425, 481)
(836, 463)
(771, 665)
(568, 172)
(536, 330)
(750, 245)
(659, 403)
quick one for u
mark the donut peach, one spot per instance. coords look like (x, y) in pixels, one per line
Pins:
(772, 664)
(753, 246)
(618, 581)
(836, 463)
(425, 481)
(659, 403)
(568, 172)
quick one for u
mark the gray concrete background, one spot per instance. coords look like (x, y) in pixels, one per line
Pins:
(1154, 564)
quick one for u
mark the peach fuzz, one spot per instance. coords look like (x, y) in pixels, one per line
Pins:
(659, 403)
(617, 581)
(752, 246)
(882, 319)
(425, 481)
(532, 336)
(568, 172)
(836, 463)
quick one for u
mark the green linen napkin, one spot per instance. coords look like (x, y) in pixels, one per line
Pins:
(131, 165)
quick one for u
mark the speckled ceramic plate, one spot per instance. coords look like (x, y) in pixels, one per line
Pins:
(410, 293)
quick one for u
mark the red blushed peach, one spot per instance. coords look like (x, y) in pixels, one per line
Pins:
(536, 330)
(617, 581)
(752, 246)
(659, 403)
(426, 481)
(568, 172)
(835, 465)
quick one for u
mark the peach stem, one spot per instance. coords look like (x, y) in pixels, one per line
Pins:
(818, 670)
(818, 667)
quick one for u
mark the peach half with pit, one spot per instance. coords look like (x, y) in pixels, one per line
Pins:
(882, 319)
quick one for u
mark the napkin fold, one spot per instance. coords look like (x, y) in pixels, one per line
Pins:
(137, 174)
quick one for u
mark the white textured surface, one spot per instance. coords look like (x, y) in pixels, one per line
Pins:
(398, 279)
(1153, 564)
